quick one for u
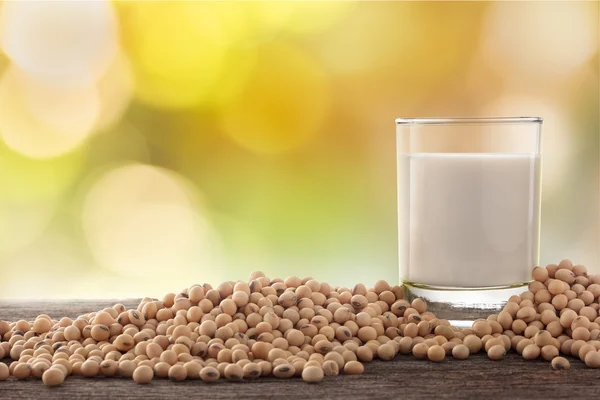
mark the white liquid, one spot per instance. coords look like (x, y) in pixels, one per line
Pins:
(468, 220)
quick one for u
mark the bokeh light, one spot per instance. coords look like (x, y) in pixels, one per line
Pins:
(30, 193)
(533, 48)
(316, 17)
(282, 106)
(557, 148)
(115, 91)
(178, 50)
(140, 219)
(62, 43)
(297, 17)
(421, 34)
(42, 121)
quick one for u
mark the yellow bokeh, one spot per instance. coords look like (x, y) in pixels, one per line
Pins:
(265, 19)
(198, 53)
(316, 16)
(417, 45)
(241, 63)
(178, 51)
(282, 106)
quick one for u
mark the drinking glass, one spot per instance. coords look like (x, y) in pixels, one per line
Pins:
(468, 211)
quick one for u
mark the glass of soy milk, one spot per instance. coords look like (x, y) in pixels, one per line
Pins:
(468, 211)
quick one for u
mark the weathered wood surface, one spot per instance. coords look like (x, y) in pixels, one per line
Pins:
(404, 377)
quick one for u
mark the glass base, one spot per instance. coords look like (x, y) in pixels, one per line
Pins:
(461, 306)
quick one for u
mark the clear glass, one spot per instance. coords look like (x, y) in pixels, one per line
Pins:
(468, 211)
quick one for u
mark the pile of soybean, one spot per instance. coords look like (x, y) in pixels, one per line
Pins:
(299, 327)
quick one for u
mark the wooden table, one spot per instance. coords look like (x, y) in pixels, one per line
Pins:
(405, 377)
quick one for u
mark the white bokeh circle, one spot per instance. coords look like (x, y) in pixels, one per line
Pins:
(41, 121)
(525, 41)
(140, 219)
(62, 43)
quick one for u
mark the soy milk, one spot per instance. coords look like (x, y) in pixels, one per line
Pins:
(468, 220)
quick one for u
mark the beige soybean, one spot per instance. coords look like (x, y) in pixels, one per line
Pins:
(312, 374)
(210, 374)
(461, 352)
(126, 368)
(592, 359)
(143, 374)
(548, 352)
(53, 377)
(22, 371)
(177, 373)
(386, 352)
(284, 371)
(496, 352)
(251, 371)
(353, 368)
(531, 352)
(473, 342)
(420, 350)
(90, 368)
(560, 363)
(331, 368)
(436, 353)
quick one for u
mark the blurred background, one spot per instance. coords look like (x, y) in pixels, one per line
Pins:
(147, 146)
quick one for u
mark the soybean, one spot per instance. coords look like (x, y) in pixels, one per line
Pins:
(53, 377)
(353, 368)
(143, 374)
(461, 352)
(560, 363)
(178, 373)
(436, 353)
(284, 371)
(496, 352)
(209, 374)
(312, 374)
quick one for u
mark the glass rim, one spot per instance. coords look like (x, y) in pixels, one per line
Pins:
(469, 120)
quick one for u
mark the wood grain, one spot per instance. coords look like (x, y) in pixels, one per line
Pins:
(404, 377)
